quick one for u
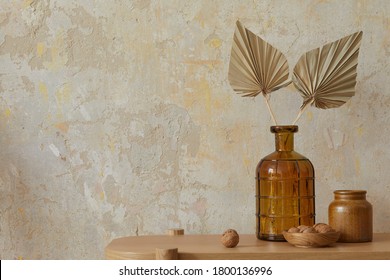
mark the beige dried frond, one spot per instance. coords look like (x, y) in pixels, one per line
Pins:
(326, 76)
(255, 66)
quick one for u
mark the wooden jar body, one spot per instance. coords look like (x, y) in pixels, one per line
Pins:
(351, 214)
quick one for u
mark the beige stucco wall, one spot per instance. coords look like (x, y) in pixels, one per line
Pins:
(117, 118)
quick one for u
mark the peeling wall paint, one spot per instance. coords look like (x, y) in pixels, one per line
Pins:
(117, 118)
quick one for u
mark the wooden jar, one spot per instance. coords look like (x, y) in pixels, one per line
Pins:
(351, 214)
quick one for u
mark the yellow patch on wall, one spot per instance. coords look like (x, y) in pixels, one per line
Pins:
(360, 131)
(200, 95)
(204, 88)
(63, 126)
(63, 94)
(58, 53)
(269, 23)
(222, 102)
(215, 43)
(43, 90)
(111, 144)
(7, 112)
(40, 49)
(309, 115)
(200, 19)
(246, 160)
(21, 212)
(357, 166)
(211, 63)
(27, 3)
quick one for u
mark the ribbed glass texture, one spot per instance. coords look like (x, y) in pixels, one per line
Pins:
(284, 188)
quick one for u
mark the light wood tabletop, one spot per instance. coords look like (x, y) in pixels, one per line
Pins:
(209, 247)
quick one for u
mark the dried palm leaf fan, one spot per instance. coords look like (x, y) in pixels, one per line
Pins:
(256, 66)
(326, 76)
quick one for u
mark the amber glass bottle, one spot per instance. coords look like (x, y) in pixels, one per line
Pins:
(284, 188)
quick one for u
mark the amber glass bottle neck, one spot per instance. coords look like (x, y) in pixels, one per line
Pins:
(284, 137)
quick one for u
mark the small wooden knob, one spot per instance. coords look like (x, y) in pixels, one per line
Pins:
(167, 254)
(175, 231)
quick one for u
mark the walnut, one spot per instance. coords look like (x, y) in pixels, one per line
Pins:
(323, 228)
(230, 238)
(302, 228)
(317, 228)
(293, 229)
(309, 230)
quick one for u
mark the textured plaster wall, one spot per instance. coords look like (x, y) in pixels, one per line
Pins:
(117, 118)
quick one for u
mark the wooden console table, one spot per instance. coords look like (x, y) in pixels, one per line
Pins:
(209, 247)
